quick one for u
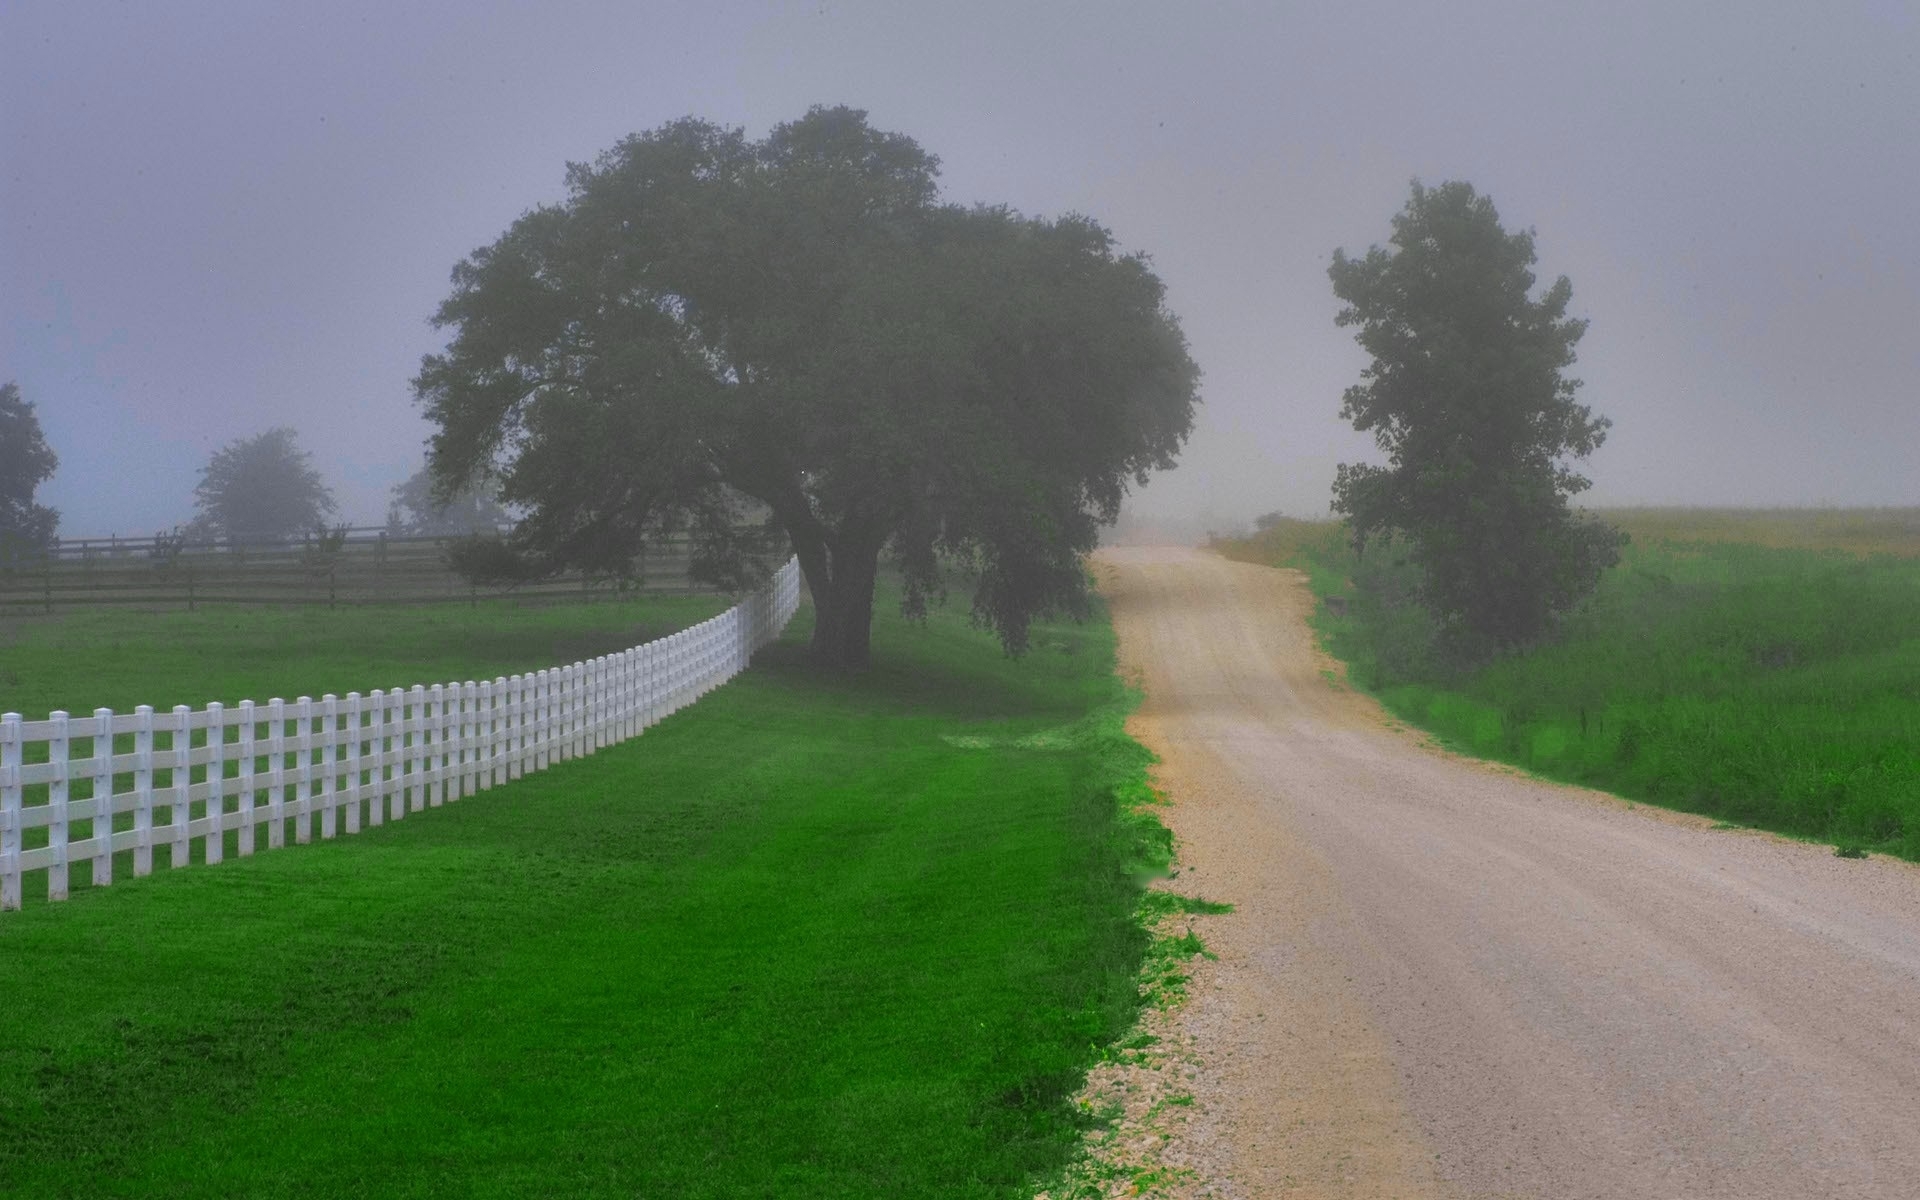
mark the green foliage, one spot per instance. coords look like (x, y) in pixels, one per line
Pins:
(1159, 902)
(415, 510)
(1466, 398)
(794, 941)
(1767, 687)
(261, 489)
(26, 462)
(708, 323)
(489, 560)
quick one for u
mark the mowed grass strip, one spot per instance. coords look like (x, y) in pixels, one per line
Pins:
(1769, 685)
(811, 937)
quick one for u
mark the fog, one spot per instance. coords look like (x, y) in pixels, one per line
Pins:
(219, 218)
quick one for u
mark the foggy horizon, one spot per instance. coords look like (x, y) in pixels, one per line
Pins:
(217, 220)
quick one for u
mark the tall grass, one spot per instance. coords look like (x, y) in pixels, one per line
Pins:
(1714, 671)
(1861, 531)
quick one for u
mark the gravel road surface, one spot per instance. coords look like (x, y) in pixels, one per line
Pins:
(1444, 978)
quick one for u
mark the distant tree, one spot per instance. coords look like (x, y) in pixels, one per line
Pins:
(260, 489)
(414, 510)
(709, 321)
(1467, 399)
(26, 462)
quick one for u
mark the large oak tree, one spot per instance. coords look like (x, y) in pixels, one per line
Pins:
(1468, 399)
(711, 327)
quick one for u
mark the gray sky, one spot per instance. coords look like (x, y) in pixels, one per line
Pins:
(218, 218)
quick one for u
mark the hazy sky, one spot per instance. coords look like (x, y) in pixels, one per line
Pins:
(218, 218)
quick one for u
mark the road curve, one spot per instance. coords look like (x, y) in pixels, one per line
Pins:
(1444, 978)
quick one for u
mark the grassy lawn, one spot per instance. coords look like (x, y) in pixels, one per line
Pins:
(808, 938)
(118, 659)
(1730, 666)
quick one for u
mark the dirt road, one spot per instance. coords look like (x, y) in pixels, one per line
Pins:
(1447, 979)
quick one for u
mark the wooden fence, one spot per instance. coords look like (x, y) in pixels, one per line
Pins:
(367, 566)
(77, 789)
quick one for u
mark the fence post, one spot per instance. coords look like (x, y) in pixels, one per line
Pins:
(556, 715)
(623, 688)
(216, 782)
(393, 743)
(143, 792)
(520, 701)
(356, 735)
(540, 719)
(245, 779)
(181, 777)
(567, 714)
(376, 760)
(303, 772)
(483, 736)
(497, 730)
(102, 797)
(418, 754)
(581, 742)
(463, 776)
(649, 685)
(277, 773)
(12, 811)
(397, 797)
(595, 708)
(437, 746)
(517, 740)
(329, 765)
(57, 758)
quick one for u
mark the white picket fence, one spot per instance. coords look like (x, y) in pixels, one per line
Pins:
(201, 773)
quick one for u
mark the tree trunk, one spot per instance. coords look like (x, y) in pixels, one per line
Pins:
(839, 565)
(840, 575)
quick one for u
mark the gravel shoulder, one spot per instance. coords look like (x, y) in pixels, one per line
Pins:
(1445, 978)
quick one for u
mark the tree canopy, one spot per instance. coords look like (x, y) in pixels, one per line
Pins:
(1467, 398)
(260, 489)
(414, 509)
(711, 327)
(26, 462)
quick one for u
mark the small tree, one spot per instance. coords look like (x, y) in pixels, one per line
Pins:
(415, 510)
(26, 462)
(261, 489)
(797, 322)
(1467, 399)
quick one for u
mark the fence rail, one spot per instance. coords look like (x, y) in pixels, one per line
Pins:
(368, 565)
(79, 789)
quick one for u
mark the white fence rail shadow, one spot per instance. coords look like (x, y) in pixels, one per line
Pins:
(141, 780)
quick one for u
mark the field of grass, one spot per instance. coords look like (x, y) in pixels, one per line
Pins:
(1729, 667)
(116, 659)
(809, 938)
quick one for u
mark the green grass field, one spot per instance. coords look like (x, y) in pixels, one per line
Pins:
(119, 659)
(1730, 666)
(808, 938)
